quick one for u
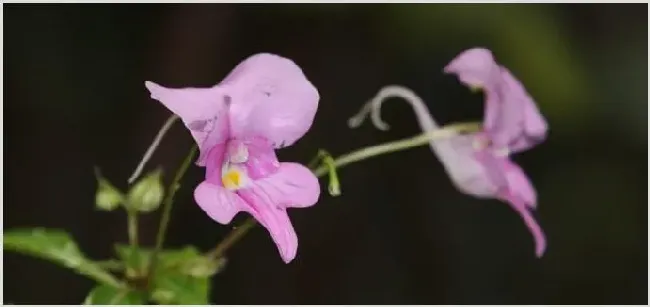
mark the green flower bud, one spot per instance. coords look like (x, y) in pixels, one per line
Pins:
(108, 197)
(147, 194)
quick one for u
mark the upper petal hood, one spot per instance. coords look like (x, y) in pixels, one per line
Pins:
(475, 68)
(512, 119)
(204, 111)
(272, 98)
(529, 127)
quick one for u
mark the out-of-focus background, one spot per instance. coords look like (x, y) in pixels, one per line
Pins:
(401, 234)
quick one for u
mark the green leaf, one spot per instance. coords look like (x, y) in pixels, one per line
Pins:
(108, 197)
(136, 260)
(203, 267)
(50, 244)
(176, 288)
(190, 262)
(107, 295)
(172, 257)
(181, 276)
(56, 246)
(147, 194)
(186, 260)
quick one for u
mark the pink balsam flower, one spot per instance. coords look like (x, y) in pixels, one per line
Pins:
(512, 123)
(264, 104)
(478, 163)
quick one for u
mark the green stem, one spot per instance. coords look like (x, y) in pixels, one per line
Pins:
(355, 156)
(334, 187)
(377, 150)
(132, 220)
(231, 239)
(156, 141)
(167, 209)
(315, 161)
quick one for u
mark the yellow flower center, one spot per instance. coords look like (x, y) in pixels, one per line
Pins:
(231, 179)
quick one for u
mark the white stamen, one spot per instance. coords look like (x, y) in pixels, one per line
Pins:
(240, 154)
(502, 152)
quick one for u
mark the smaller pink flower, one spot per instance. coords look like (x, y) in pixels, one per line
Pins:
(265, 103)
(473, 167)
(512, 124)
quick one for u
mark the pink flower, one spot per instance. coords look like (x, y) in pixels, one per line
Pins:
(474, 167)
(265, 103)
(512, 124)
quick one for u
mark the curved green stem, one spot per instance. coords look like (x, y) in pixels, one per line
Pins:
(334, 187)
(419, 140)
(167, 209)
(234, 236)
(156, 141)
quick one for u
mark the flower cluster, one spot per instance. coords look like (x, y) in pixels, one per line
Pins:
(267, 103)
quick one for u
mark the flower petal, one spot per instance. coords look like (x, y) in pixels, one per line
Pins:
(220, 204)
(489, 178)
(538, 234)
(476, 68)
(262, 160)
(511, 116)
(275, 219)
(504, 115)
(271, 98)
(466, 170)
(214, 160)
(204, 111)
(531, 127)
(520, 185)
(293, 185)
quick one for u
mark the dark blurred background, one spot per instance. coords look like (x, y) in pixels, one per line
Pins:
(401, 234)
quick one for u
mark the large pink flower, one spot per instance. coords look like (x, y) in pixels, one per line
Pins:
(265, 103)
